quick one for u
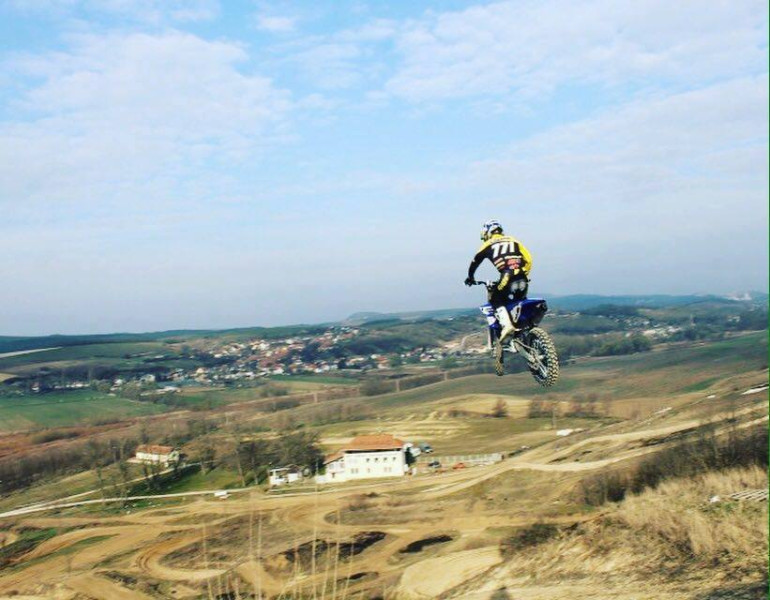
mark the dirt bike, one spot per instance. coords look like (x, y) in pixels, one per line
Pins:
(528, 340)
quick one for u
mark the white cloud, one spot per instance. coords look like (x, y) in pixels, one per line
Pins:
(331, 65)
(275, 24)
(678, 133)
(147, 11)
(679, 177)
(117, 112)
(347, 59)
(532, 47)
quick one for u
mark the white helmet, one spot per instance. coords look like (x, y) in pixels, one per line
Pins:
(489, 228)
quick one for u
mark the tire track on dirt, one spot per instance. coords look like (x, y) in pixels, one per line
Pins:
(101, 588)
(149, 561)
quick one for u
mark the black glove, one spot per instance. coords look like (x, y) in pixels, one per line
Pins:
(469, 281)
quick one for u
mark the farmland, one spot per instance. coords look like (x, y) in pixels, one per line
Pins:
(68, 408)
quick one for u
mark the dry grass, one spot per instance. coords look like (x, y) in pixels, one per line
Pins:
(645, 536)
(678, 520)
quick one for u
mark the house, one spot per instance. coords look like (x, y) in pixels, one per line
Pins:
(284, 475)
(154, 453)
(366, 457)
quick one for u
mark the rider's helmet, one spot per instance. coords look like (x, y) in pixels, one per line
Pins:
(490, 227)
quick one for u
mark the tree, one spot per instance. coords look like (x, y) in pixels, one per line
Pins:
(301, 449)
(93, 454)
(375, 386)
(450, 362)
(102, 386)
(206, 456)
(310, 352)
(132, 390)
(500, 409)
(236, 452)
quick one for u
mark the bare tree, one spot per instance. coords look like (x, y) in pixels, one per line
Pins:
(500, 409)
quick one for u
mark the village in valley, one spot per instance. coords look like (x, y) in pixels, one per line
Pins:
(350, 351)
(217, 363)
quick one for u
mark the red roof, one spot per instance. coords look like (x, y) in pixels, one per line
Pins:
(379, 441)
(332, 457)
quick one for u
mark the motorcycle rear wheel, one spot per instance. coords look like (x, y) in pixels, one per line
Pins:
(498, 349)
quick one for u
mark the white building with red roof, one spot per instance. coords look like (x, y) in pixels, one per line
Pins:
(366, 457)
(154, 453)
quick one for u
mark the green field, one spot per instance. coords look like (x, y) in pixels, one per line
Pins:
(667, 371)
(68, 408)
(320, 379)
(193, 480)
(90, 351)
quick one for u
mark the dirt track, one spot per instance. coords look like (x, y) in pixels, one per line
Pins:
(430, 578)
(140, 545)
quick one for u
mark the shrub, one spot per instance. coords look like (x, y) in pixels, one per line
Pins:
(528, 537)
(705, 453)
(376, 386)
(605, 487)
(359, 502)
(51, 435)
(688, 458)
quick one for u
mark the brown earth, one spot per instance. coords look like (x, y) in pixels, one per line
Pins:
(248, 543)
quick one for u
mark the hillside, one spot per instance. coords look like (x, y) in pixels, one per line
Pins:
(617, 504)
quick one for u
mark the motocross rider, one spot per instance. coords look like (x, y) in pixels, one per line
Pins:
(512, 260)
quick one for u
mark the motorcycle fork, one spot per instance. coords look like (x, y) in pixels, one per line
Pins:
(527, 352)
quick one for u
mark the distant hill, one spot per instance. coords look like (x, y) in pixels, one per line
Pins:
(574, 302)
(367, 318)
(578, 302)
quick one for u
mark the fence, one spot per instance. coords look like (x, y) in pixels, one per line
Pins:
(468, 460)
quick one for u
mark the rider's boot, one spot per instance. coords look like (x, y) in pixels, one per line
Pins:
(505, 320)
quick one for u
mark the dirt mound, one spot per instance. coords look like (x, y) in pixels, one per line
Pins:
(432, 577)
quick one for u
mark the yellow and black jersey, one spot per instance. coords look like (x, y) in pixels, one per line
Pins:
(505, 252)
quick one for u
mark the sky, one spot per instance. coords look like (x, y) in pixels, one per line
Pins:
(169, 164)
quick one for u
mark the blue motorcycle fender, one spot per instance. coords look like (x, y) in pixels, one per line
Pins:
(528, 312)
(489, 312)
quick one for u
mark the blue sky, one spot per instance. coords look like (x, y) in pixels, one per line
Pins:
(204, 164)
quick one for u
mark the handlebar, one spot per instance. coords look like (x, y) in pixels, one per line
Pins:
(492, 284)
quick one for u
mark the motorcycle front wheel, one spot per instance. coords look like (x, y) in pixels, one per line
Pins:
(545, 364)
